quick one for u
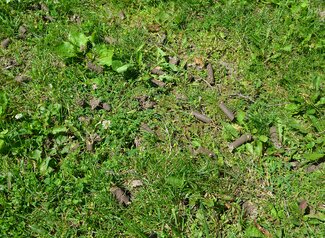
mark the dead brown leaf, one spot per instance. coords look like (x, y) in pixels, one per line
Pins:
(198, 61)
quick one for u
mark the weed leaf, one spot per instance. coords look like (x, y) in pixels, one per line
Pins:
(67, 50)
(105, 56)
(78, 39)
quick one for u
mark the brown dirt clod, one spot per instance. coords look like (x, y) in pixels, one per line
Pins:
(22, 32)
(157, 70)
(121, 196)
(22, 78)
(121, 15)
(145, 102)
(173, 60)
(5, 43)
(94, 103)
(89, 145)
(95, 68)
(136, 183)
(250, 209)
(107, 107)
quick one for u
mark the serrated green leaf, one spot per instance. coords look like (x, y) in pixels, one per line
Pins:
(59, 129)
(116, 64)
(36, 154)
(175, 182)
(318, 124)
(79, 39)
(319, 216)
(123, 68)
(293, 108)
(313, 156)
(321, 102)
(252, 231)
(105, 55)
(3, 103)
(287, 48)
(44, 168)
(263, 138)
(240, 117)
(67, 50)
(2, 142)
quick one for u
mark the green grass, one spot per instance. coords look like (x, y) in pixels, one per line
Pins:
(268, 60)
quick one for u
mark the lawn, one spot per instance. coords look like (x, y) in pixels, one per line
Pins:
(148, 118)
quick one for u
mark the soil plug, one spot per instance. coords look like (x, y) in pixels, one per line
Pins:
(157, 70)
(122, 15)
(94, 67)
(136, 183)
(146, 128)
(94, 103)
(44, 7)
(210, 73)
(154, 28)
(5, 43)
(205, 151)
(228, 113)
(158, 83)
(173, 60)
(201, 117)
(22, 32)
(89, 145)
(48, 18)
(22, 78)
(241, 140)
(106, 107)
(274, 137)
(120, 196)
